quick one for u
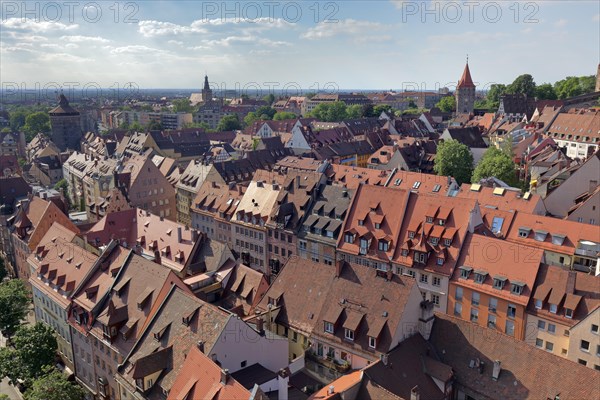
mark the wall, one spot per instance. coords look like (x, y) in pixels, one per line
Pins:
(583, 331)
(559, 340)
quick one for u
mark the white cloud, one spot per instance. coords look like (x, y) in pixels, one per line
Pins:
(348, 27)
(230, 40)
(153, 28)
(136, 50)
(596, 18)
(561, 23)
(82, 39)
(160, 28)
(36, 26)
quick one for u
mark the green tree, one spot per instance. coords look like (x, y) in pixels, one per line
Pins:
(34, 347)
(136, 127)
(3, 271)
(229, 123)
(6, 129)
(63, 187)
(153, 126)
(53, 385)
(266, 111)
(412, 104)
(378, 109)
(498, 164)
(35, 123)
(182, 105)
(17, 119)
(283, 115)
(368, 111)
(14, 306)
(447, 104)
(545, 91)
(330, 112)
(523, 84)
(493, 95)
(270, 98)
(354, 111)
(454, 159)
(4, 396)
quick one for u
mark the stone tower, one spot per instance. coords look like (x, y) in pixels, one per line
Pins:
(598, 79)
(207, 94)
(465, 93)
(65, 122)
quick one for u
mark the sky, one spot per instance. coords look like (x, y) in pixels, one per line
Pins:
(315, 45)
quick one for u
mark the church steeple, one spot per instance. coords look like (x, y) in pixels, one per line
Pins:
(465, 92)
(206, 85)
(206, 91)
(466, 80)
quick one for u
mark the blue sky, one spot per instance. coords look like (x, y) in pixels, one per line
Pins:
(343, 44)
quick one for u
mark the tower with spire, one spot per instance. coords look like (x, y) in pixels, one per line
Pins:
(65, 122)
(207, 94)
(465, 92)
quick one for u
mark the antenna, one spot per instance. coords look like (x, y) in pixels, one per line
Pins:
(467, 58)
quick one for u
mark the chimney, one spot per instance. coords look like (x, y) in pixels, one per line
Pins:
(389, 274)
(260, 323)
(200, 345)
(283, 379)
(339, 265)
(157, 256)
(297, 181)
(224, 376)
(331, 390)
(571, 278)
(179, 234)
(415, 393)
(496, 370)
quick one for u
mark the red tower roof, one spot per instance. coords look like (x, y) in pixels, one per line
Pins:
(465, 80)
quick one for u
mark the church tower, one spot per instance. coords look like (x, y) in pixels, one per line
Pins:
(65, 122)
(465, 93)
(207, 94)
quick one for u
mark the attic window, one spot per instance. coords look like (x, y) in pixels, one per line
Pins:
(377, 225)
(447, 242)
(411, 235)
(540, 236)
(349, 238)
(361, 222)
(416, 185)
(384, 245)
(499, 282)
(397, 182)
(524, 232)
(328, 327)
(465, 271)
(480, 276)
(517, 288)
(437, 188)
(568, 313)
(441, 222)
(558, 239)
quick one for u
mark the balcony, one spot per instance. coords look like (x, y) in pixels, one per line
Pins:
(329, 362)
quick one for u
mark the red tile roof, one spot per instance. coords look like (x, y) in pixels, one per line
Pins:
(200, 378)
(465, 79)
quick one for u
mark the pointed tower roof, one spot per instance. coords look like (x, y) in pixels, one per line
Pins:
(206, 85)
(63, 107)
(465, 80)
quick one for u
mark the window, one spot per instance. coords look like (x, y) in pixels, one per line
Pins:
(594, 328)
(563, 352)
(585, 346)
(474, 314)
(459, 293)
(294, 336)
(440, 261)
(539, 343)
(424, 278)
(568, 313)
(538, 304)
(582, 362)
(437, 281)
(516, 288)
(377, 226)
(435, 299)
(383, 245)
(464, 273)
(510, 328)
(243, 364)
(498, 283)
(479, 278)
(349, 334)
(349, 238)
(541, 325)
(328, 327)
(491, 321)
(475, 299)
(493, 304)
(457, 309)
(512, 311)
(553, 308)
(372, 342)
(598, 349)
(551, 328)
(549, 346)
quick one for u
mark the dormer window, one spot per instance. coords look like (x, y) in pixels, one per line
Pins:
(411, 235)
(364, 246)
(429, 220)
(538, 304)
(440, 261)
(540, 236)
(553, 308)
(480, 277)
(377, 226)
(404, 252)
(434, 241)
(465, 272)
(517, 288)
(372, 342)
(524, 232)
(349, 334)
(447, 242)
(361, 222)
(499, 283)
(558, 239)
(383, 245)
(442, 222)
(568, 313)
(328, 327)
(349, 238)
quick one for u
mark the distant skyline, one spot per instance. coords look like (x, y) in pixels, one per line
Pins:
(313, 45)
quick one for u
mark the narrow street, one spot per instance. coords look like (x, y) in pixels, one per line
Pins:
(5, 387)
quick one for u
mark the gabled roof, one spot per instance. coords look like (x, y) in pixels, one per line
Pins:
(470, 137)
(526, 372)
(63, 107)
(200, 378)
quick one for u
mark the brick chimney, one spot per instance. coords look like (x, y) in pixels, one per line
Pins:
(571, 279)
(224, 376)
(157, 256)
(200, 345)
(179, 234)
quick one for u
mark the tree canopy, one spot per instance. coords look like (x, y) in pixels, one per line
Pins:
(330, 112)
(35, 123)
(270, 98)
(447, 104)
(182, 105)
(454, 159)
(498, 164)
(53, 385)
(33, 348)
(229, 123)
(545, 91)
(14, 305)
(280, 116)
(523, 84)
